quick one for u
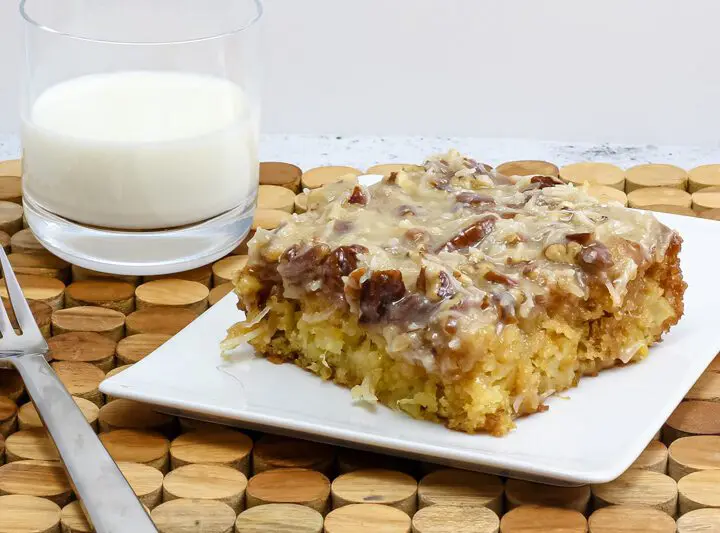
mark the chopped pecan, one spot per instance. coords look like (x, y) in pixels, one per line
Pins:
(391, 178)
(546, 181)
(450, 326)
(302, 263)
(377, 293)
(581, 238)
(410, 308)
(421, 283)
(474, 199)
(405, 210)
(417, 235)
(595, 258)
(341, 262)
(470, 236)
(358, 196)
(497, 277)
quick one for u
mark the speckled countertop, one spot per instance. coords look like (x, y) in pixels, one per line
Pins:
(308, 151)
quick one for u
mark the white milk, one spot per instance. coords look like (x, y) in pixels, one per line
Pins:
(140, 150)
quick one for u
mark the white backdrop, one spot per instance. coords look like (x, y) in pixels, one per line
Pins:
(631, 71)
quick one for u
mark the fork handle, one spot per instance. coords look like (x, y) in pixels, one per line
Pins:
(108, 500)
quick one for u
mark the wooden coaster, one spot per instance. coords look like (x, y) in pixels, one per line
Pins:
(219, 292)
(222, 446)
(630, 519)
(518, 492)
(594, 174)
(638, 487)
(11, 217)
(699, 521)
(127, 414)
(301, 203)
(193, 516)
(202, 275)
(44, 479)
(30, 444)
(28, 417)
(655, 175)
(46, 265)
(11, 384)
(289, 485)
(106, 322)
(703, 176)
(145, 481)
(455, 519)
(714, 366)
(116, 370)
(117, 295)
(536, 519)
(42, 289)
(188, 424)
(41, 311)
(707, 387)
(280, 174)
(704, 199)
(11, 167)
(165, 320)
(84, 274)
(24, 242)
(11, 189)
(28, 514)
(386, 169)
(207, 482)
(646, 198)
(460, 487)
(132, 349)
(349, 460)
(367, 518)
(81, 379)
(136, 446)
(692, 418)
(319, 176)
(84, 347)
(225, 269)
(710, 214)
(692, 454)
(699, 490)
(607, 194)
(279, 517)
(272, 452)
(2, 450)
(8, 416)
(5, 242)
(528, 168)
(654, 457)
(73, 520)
(268, 219)
(673, 210)
(172, 293)
(276, 197)
(386, 487)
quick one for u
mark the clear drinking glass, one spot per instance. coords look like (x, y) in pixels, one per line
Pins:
(140, 130)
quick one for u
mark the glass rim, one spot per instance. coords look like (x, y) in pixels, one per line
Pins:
(253, 20)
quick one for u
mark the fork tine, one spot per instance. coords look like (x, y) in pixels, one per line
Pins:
(24, 316)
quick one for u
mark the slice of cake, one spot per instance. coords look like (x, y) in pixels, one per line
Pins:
(459, 295)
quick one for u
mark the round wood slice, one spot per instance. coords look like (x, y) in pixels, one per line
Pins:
(387, 487)
(30, 444)
(699, 490)
(165, 320)
(116, 370)
(81, 379)
(673, 210)
(42, 313)
(349, 460)
(83, 274)
(279, 517)
(699, 521)
(386, 169)
(715, 365)
(28, 514)
(73, 520)
(207, 482)
(8, 416)
(692, 418)
(630, 519)
(269, 218)
(225, 269)
(536, 519)
(42, 289)
(5, 242)
(280, 174)
(188, 424)
(11, 189)
(655, 175)
(117, 295)
(11, 384)
(28, 417)
(654, 457)
(84, 347)
(301, 202)
(607, 194)
(137, 446)
(594, 174)
(528, 168)
(638, 487)
(289, 485)
(106, 322)
(172, 293)
(193, 516)
(460, 487)
(11, 167)
(367, 518)
(272, 452)
(46, 265)
(202, 275)
(24, 242)
(11, 217)
(704, 199)
(707, 387)
(44, 479)
(276, 197)
(219, 292)
(710, 214)
(132, 349)
(2, 450)
(692, 454)
(319, 176)
(221, 446)
(703, 176)
(145, 481)
(519, 493)
(646, 198)
(455, 519)
(127, 414)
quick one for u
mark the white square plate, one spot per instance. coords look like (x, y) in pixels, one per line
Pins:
(590, 434)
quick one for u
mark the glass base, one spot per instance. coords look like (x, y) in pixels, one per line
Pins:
(139, 253)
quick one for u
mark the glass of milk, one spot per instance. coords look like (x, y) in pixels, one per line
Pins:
(140, 130)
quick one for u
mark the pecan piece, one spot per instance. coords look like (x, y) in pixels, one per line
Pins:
(405, 210)
(581, 238)
(302, 263)
(417, 235)
(546, 181)
(341, 262)
(377, 293)
(470, 236)
(595, 258)
(474, 199)
(358, 196)
(497, 277)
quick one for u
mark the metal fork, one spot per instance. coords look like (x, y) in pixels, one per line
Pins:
(108, 500)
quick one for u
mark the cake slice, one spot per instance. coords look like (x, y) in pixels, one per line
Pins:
(459, 295)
